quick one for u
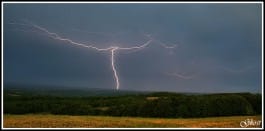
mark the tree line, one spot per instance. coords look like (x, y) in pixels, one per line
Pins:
(166, 105)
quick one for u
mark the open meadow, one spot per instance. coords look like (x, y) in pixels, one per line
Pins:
(68, 121)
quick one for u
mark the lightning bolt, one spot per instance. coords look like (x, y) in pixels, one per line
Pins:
(180, 76)
(166, 46)
(114, 69)
(112, 49)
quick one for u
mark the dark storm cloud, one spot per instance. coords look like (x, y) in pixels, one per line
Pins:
(218, 44)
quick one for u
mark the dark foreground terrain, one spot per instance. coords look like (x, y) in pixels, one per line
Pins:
(128, 103)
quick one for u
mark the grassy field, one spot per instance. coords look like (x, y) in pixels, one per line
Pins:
(65, 121)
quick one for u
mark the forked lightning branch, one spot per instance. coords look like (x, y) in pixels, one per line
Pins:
(111, 49)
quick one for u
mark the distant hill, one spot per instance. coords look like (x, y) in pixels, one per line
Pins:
(83, 92)
(80, 101)
(67, 91)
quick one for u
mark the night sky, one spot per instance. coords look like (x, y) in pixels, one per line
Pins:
(218, 46)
